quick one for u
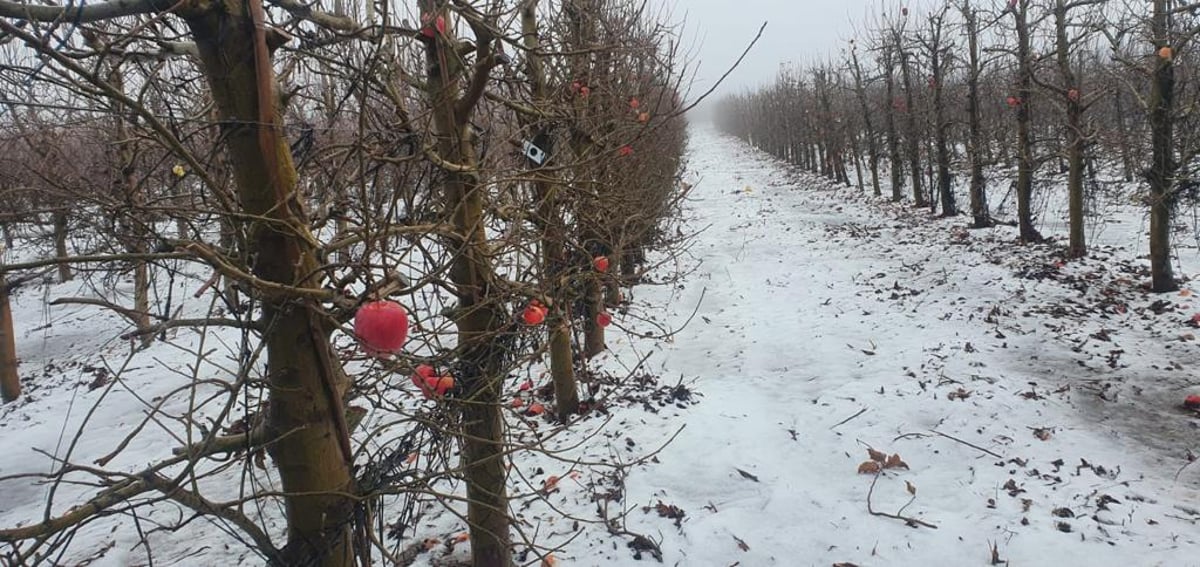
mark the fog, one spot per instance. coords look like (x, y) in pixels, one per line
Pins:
(797, 30)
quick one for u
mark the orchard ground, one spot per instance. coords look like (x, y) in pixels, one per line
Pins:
(1027, 408)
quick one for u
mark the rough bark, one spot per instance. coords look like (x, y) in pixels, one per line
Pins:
(912, 134)
(1076, 138)
(305, 398)
(868, 123)
(893, 141)
(10, 379)
(553, 242)
(1163, 164)
(980, 213)
(60, 245)
(480, 316)
(1025, 159)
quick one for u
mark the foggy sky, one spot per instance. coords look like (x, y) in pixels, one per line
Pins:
(797, 30)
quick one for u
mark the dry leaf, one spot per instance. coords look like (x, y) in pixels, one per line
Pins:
(910, 487)
(431, 542)
(549, 560)
(747, 475)
(550, 483)
(876, 455)
(1043, 433)
(869, 467)
(895, 462)
(462, 537)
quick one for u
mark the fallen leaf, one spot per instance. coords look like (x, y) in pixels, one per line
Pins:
(876, 455)
(550, 483)
(869, 467)
(912, 489)
(895, 462)
(462, 537)
(747, 475)
(549, 560)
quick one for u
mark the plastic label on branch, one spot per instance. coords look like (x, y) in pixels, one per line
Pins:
(535, 154)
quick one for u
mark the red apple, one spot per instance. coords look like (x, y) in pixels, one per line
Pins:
(517, 403)
(625, 151)
(634, 103)
(1192, 402)
(600, 263)
(1073, 94)
(441, 385)
(534, 314)
(603, 319)
(381, 327)
(536, 409)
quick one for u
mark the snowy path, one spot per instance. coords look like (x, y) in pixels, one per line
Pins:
(790, 345)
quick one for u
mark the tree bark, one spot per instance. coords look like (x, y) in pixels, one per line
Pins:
(1025, 158)
(893, 142)
(60, 245)
(1163, 164)
(913, 133)
(480, 316)
(10, 379)
(313, 457)
(554, 261)
(1076, 139)
(980, 213)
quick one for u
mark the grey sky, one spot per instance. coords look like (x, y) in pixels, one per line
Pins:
(797, 30)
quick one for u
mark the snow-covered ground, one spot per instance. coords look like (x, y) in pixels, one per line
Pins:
(824, 326)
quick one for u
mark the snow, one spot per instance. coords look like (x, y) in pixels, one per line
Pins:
(819, 324)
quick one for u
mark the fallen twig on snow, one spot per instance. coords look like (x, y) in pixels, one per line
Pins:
(847, 420)
(906, 519)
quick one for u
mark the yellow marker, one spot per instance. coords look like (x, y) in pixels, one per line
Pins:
(178, 171)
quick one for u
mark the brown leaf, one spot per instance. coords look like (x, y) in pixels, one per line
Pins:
(1043, 433)
(869, 467)
(876, 455)
(910, 487)
(895, 462)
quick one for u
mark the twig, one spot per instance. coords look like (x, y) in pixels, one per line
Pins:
(906, 519)
(971, 445)
(847, 420)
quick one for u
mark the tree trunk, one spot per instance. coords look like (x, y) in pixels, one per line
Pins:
(480, 315)
(911, 136)
(1025, 158)
(1163, 165)
(60, 245)
(134, 226)
(1076, 139)
(893, 142)
(554, 261)
(312, 450)
(1127, 166)
(979, 206)
(868, 124)
(10, 380)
